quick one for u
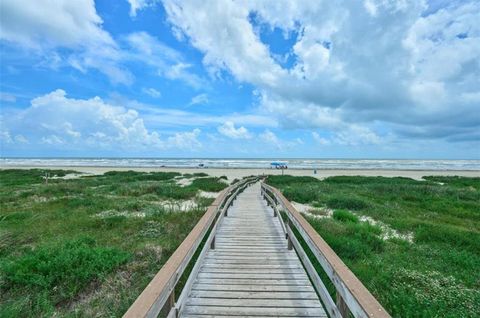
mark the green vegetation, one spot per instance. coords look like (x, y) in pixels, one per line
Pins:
(88, 246)
(209, 184)
(414, 244)
(18, 176)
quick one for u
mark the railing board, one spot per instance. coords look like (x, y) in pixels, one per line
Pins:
(317, 282)
(359, 300)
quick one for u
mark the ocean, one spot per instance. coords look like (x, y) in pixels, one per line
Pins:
(347, 164)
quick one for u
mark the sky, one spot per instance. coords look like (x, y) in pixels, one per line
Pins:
(293, 79)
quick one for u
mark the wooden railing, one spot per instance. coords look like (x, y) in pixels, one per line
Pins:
(351, 295)
(160, 292)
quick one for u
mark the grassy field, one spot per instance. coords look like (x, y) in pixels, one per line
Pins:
(87, 246)
(414, 244)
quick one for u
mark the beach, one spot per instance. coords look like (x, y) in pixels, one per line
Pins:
(236, 173)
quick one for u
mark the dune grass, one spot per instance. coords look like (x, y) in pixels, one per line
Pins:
(435, 274)
(88, 246)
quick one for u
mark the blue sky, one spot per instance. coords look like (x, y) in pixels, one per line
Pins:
(331, 79)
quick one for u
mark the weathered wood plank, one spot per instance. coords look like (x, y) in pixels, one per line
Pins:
(252, 266)
(252, 259)
(253, 295)
(254, 311)
(246, 302)
(249, 287)
(241, 270)
(230, 315)
(253, 282)
(252, 276)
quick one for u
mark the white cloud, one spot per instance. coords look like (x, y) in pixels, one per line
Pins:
(152, 92)
(221, 30)
(357, 63)
(52, 140)
(52, 23)
(356, 135)
(176, 118)
(63, 33)
(320, 140)
(43, 26)
(271, 139)
(185, 140)
(169, 63)
(5, 137)
(56, 120)
(137, 5)
(199, 99)
(228, 129)
(180, 71)
(93, 119)
(150, 50)
(20, 139)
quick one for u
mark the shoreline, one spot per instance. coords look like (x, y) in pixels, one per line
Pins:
(235, 172)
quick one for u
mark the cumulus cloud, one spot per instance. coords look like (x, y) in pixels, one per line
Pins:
(355, 63)
(228, 129)
(52, 23)
(186, 140)
(70, 34)
(56, 120)
(44, 26)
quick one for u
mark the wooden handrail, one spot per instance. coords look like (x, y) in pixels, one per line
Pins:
(153, 298)
(271, 202)
(353, 293)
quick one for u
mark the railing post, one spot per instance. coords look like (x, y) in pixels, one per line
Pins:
(212, 244)
(170, 305)
(342, 306)
(290, 244)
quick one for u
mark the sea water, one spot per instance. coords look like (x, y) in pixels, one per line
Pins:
(347, 164)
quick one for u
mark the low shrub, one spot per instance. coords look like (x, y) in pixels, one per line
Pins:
(208, 184)
(345, 216)
(344, 202)
(61, 270)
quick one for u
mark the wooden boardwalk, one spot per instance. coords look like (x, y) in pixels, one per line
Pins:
(250, 271)
(253, 265)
